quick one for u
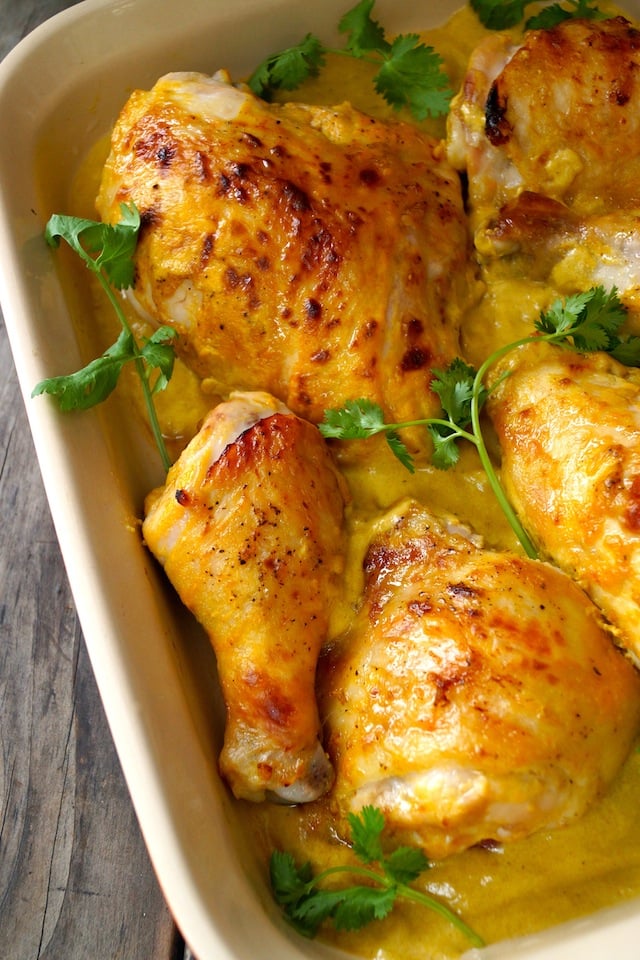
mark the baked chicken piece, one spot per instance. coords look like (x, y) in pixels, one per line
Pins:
(310, 251)
(569, 429)
(547, 130)
(476, 696)
(249, 529)
(556, 113)
(543, 239)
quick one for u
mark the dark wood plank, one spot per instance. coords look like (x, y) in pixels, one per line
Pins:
(75, 878)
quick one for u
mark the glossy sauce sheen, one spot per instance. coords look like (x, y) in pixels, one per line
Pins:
(501, 892)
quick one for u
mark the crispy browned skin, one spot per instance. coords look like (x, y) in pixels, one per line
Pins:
(476, 696)
(311, 251)
(547, 130)
(569, 429)
(556, 114)
(249, 529)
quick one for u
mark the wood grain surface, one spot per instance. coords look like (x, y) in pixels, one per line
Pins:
(75, 879)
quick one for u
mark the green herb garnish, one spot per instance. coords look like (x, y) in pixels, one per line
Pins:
(502, 14)
(410, 73)
(308, 903)
(585, 322)
(107, 250)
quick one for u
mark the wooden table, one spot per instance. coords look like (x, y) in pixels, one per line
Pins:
(75, 879)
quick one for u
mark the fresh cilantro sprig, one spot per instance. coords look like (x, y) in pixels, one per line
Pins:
(359, 419)
(588, 322)
(461, 393)
(308, 902)
(410, 73)
(107, 250)
(585, 322)
(502, 14)
(289, 68)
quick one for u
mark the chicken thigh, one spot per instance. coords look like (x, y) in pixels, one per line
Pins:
(556, 113)
(569, 429)
(249, 529)
(310, 251)
(476, 696)
(547, 130)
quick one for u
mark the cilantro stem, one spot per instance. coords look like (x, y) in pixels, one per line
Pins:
(404, 891)
(376, 61)
(483, 453)
(346, 868)
(142, 373)
(456, 429)
(426, 900)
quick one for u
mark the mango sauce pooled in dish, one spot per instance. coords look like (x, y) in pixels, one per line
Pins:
(381, 636)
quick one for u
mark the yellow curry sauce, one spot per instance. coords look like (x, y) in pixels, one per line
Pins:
(503, 891)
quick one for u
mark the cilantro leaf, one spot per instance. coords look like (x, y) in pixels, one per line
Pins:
(359, 419)
(554, 14)
(362, 905)
(108, 251)
(310, 912)
(587, 321)
(399, 450)
(446, 452)
(365, 34)
(560, 317)
(102, 246)
(260, 80)
(289, 68)
(627, 351)
(356, 420)
(158, 353)
(412, 76)
(548, 17)
(454, 386)
(405, 864)
(502, 14)
(288, 881)
(93, 383)
(362, 418)
(499, 14)
(366, 830)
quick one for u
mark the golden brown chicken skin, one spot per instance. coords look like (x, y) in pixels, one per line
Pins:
(556, 113)
(476, 696)
(569, 429)
(249, 529)
(547, 130)
(310, 251)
